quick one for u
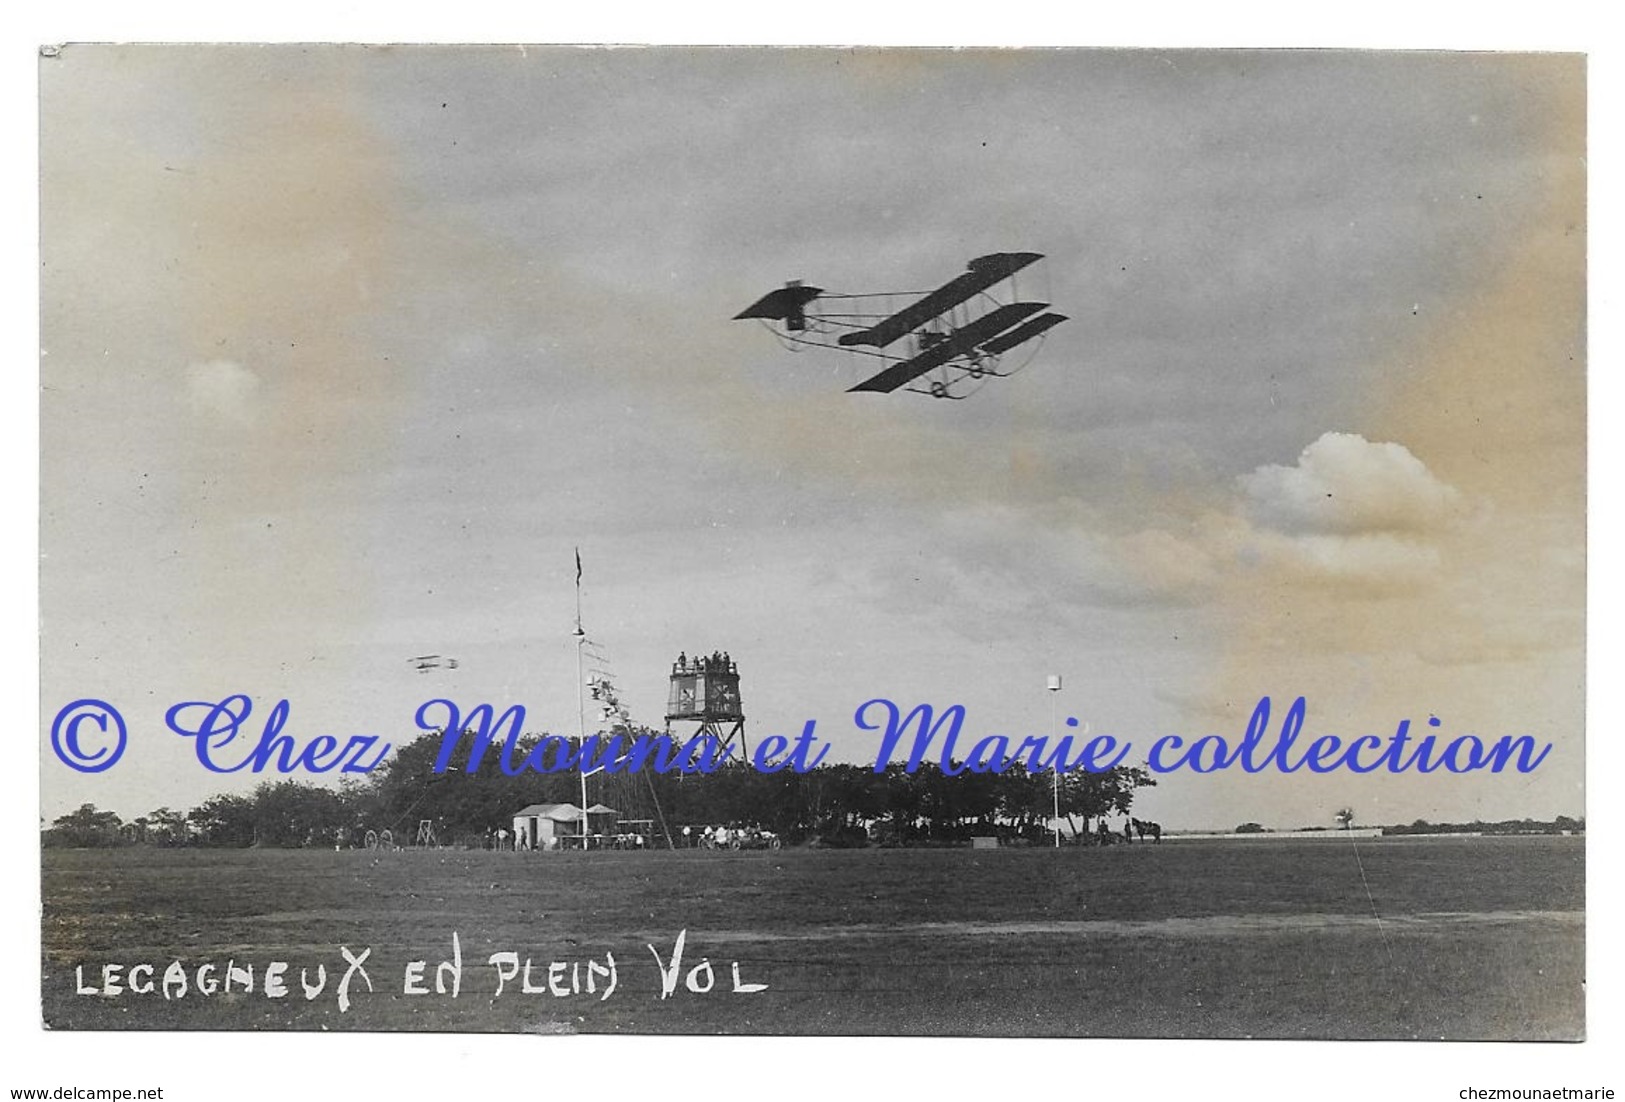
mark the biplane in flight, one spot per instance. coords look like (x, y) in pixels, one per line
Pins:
(946, 343)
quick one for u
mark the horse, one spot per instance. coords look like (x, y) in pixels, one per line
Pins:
(1143, 827)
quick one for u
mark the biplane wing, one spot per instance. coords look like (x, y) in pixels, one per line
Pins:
(983, 273)
(961, 342)
(1026, 331)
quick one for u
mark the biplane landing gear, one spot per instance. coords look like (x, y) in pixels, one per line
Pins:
(937, 388)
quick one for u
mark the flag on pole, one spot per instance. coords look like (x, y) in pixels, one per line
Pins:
(578, 567)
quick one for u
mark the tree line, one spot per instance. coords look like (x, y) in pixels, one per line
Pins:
(837, 804)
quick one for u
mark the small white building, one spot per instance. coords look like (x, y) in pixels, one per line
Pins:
(540, 826)
(547, 826)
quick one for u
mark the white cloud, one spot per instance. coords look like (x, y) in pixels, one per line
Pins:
(223, 389)
(1351, 514)
(1346, 484)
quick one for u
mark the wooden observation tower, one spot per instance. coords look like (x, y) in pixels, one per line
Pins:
(705, 693)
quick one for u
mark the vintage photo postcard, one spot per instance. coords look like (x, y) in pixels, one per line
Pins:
(976, 543)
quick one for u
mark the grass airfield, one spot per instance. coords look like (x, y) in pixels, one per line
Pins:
(1430, 938)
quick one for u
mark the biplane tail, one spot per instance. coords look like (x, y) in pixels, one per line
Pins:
(787, 304)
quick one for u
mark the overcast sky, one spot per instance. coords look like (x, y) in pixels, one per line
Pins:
(346, 349)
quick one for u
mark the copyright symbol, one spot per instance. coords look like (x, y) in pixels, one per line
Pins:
(65, 735)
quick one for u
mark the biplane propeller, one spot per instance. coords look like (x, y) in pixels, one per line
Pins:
(939, 344)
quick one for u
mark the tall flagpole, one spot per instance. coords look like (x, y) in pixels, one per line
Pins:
(581, 705)
(1054, 686)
